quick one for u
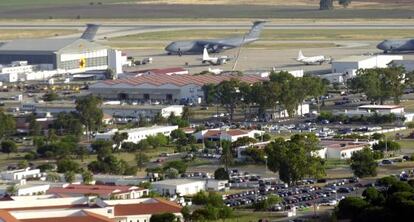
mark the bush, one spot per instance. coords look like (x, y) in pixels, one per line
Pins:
(350, 208)
(221, 174)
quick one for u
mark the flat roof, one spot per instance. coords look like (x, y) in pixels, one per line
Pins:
(357, 58)
(380, 107)
(176, 182)
(179, 80)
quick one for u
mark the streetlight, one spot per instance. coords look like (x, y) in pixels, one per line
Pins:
(265, 157)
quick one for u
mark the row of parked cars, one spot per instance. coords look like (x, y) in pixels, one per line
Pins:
(298, 197)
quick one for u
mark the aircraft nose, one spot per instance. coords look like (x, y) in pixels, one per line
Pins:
(382, 46)
(170, 48)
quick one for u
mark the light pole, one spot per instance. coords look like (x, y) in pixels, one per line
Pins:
(265, 157)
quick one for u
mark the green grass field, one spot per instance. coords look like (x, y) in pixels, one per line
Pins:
(9, 34)
(34, 3)
(274, 34)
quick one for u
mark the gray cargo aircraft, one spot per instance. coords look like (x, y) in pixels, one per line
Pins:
(215, 45)
(396, 45)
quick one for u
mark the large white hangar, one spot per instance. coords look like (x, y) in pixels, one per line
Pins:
(67, 55)
(163, 88)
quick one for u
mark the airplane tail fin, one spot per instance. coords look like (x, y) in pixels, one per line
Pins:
(90, 32)
(205, 55)
(255, 30)
(300, 55)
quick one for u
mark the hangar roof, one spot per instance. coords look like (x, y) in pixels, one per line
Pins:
(50, 45)
(179, 80)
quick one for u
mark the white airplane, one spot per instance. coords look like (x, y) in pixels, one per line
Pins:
(313, 60)
(214, 60)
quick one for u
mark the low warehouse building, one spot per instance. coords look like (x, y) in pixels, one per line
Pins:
(163, 88)
(137, 134)
(350, 65)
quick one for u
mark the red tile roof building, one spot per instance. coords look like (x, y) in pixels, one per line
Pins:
(48, 209)
(162, 87)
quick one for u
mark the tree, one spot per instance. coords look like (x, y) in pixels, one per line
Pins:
(66, 165)
(70, 176)
(176, 164)
(53, 177)
(81, 152)
(294, 158)
(363, 163)
(35, 129)
(209, 93)
(380, 84)
(326, 5)
(350, 208)
(221, 174)
(157, 140)
(90, 113)
(187, 113)
(8, 146)
(185, 211)
(118, 138)
(165, 217)
(50, 96)
(266, 203)
(227, 155)
(87, 177)
(22, 164)
(7, 124)
(345, 3)
(141, 159)
(228, 94)
(171, 173)
(68, 123)
(11, 190)
(159, 119)
(388, 145)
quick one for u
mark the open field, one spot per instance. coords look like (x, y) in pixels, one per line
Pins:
(83, 10)
(275, 35)
(9, 34)
(257, 45)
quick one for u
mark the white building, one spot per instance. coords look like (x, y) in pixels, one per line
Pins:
(335, 77)
(15, 175)
(368, 110)
(226, 134)
(300, 111)
(185, 187)
(350, 65)
(382, 109)
(179, 186)
(48, 208)
(137, 134)
(342, 149)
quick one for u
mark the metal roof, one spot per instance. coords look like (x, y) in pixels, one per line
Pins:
(49, 45)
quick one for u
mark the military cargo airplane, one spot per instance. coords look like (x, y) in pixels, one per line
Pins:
(215, 45)
(396, 45)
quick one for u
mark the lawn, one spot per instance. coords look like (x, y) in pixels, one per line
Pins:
(34, 3)
(275, 34)
(249, 216)
(9, 34)
(330, 164)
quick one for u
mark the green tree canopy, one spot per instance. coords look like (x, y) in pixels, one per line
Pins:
(363, 163)
(89, 111)
(294, 158)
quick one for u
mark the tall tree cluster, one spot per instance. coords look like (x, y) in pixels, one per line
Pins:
(381, 84)
(90, 112)
(282, 91)
(295, 159)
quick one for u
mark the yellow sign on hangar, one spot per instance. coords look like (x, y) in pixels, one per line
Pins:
(82, 63)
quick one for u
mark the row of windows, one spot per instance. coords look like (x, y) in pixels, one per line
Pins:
(90, 62)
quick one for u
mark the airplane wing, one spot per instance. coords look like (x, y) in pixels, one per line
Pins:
(214, 46)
